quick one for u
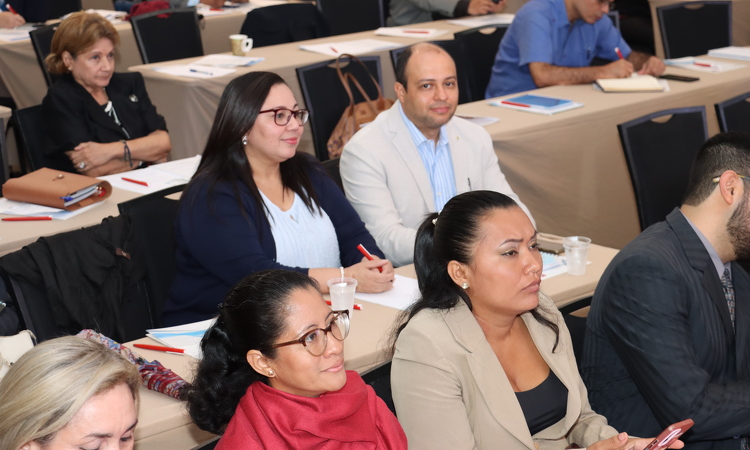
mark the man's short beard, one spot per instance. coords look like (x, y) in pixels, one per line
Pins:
(738, 229)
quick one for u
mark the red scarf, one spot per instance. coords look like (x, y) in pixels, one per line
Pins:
(352, 418)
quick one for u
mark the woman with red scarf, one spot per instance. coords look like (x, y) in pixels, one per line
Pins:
(272, 373)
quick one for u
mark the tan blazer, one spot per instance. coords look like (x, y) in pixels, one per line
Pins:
(387, 184)
(451, 392)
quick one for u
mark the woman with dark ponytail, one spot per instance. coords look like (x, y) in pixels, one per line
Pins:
(483, 359)
(272, 374)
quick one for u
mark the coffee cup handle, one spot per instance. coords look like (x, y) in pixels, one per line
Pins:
(247, 45)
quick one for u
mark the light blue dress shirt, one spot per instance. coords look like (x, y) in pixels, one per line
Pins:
(437, 162)
(541, 32)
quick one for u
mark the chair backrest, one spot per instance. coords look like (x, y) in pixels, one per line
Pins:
(480, 46)
(152, 220)
(659, 155)
(59, 8)
(380, 380)
(734, 114)
(694, 28)
(347, 16)
(27, 124)
(615, 16)
(4, 169)
(333, 167)
(167, 35)
(326, 98)
(41, 40)
(280, 24)
(464, 68)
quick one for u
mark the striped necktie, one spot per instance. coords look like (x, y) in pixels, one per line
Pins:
(726, 283)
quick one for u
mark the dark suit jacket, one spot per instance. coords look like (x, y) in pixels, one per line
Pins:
(660, 347)
(71, 116)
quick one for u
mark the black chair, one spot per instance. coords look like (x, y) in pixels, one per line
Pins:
(41, 40)
(577, 328)
(333, 167)
(694, 28)
(659, 156)
(480, 46)
(152, 220)
(734, 114)
(326, 98)
(380, 380)
(615, 16)
(464, 68)
(167, 35)
(27, 125)
(346, 16)
(4, 169)
(59, 8)
(280, 24)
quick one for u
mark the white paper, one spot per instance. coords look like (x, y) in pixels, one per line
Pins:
(24, 209)
(481, 21)
(187, 337)
(404, 293)
(416, 33)
(356, 47)
(689, 63)
(193, 71)
(479, 120)
(13, 35)
(742, 53)
(227, 61)
(182, 168)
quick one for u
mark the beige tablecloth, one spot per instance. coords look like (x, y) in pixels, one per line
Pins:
(740, 22)
(163, 422)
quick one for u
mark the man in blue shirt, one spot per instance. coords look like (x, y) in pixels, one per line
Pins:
(9, 19)
(553, 42)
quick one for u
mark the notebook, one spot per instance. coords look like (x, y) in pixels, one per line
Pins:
(537, 104)
(643, 83)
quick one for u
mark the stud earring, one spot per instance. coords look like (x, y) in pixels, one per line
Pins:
(271, 373)
(464, 285)
(244, 140)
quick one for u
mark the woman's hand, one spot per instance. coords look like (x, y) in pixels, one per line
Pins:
(92, 154)
(369, 278)
(622, 442)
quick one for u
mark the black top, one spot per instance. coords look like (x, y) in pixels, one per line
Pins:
(544, 405)
(72, 116)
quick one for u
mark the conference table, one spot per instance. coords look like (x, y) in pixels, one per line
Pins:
(163, 422)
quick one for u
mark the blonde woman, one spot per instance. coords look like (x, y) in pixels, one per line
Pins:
(69, 393)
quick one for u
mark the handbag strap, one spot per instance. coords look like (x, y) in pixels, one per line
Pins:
(343, 77)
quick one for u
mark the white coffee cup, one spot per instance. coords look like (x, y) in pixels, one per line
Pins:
(241, 44)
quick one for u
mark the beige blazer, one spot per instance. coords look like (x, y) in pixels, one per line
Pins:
(451, 392)
(387, 184)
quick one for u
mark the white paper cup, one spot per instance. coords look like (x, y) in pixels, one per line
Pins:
(342, 293)
(241, 44)
(576, 253)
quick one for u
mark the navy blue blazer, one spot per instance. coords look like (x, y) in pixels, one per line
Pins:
(659, 345)
(71, 116)
(217, 245)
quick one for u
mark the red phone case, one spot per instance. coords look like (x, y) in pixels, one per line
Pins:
(669, 435)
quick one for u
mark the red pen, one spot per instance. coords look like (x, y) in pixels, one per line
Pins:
(619, 53)
(702, 64)
(505, 102)
(357, 306)
(159, 348)
(26, 219)
(142, 183)
(367, 255)
(334, 50)
(10, 8)
(417, 31)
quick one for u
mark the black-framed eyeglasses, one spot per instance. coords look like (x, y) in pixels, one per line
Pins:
(316, 341)
(282, 116)
(716, 179)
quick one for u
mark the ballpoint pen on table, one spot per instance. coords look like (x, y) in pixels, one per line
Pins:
(160, 348)
(357, 306)
(26, 219)
(142, 183)
(201, 72)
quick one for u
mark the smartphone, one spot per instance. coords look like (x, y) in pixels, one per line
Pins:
(669, 435)
(555, 248)
(678, 78)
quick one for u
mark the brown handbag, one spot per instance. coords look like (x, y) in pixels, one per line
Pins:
(57, 189)
(356, 114)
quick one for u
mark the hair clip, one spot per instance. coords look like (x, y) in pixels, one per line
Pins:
(434, 221)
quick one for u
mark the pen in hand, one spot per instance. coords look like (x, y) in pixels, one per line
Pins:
(619, 53)
(367, 255)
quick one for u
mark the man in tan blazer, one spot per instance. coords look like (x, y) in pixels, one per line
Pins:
(417, 155)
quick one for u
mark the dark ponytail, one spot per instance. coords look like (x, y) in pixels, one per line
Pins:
(452, 235)
(251, 318)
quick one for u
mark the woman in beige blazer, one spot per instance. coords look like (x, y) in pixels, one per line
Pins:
(483, 360)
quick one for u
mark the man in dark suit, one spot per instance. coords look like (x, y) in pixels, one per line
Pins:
(668, 334)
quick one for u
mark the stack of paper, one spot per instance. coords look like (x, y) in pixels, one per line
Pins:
(483, 21)
(155, 178)
(24, 209)
(642, 83)
(537, 104)
(404, 293)
(187, 337)
(356, 47)
(194, 71)
(702, 65)
(228, 61)
(741, 53)
(17, 34)
(417, 33)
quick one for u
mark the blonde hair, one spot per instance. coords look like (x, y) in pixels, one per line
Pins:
(49, 384)
(76, 34)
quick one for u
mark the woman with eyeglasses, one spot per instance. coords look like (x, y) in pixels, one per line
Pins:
(255, 203)
(272, 374)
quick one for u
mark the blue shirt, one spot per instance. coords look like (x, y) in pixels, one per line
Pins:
(541, 32)
(437, 162)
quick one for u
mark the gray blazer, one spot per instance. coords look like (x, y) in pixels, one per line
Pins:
(387, 183)
(407, 12)
(451, 392)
